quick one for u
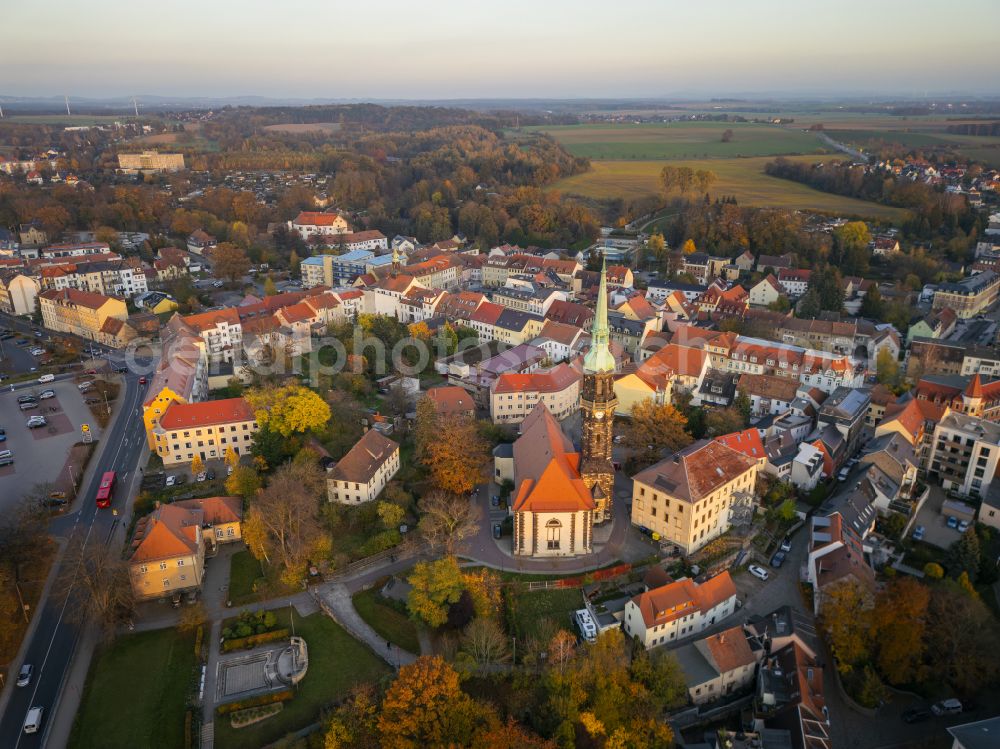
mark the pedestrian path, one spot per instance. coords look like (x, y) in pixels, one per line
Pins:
(335, 600)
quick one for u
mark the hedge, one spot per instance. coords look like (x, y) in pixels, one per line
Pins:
(254, 640)
(261, 699)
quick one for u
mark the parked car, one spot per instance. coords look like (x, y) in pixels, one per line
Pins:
(46, 394)
(916, 715)
(32, 423)
(963, 526)
(758, 572)
(229, 470)
(201, 476)
(91, 371)
(947, 707)
(24, 675)
(85, 386)
(142, 380)
(497, 530)
(26, 399)
(952, 522)
(210, 474)
(918, 533)
(778, 559)
(842, 476)
(28, 406)
(37, 351)
(786, 545)
(47, 378)
(495, 500)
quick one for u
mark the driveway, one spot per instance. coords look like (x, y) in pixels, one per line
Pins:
(936, 530)
(40, 454)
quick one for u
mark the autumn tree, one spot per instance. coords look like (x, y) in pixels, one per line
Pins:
(964, 656)
(720, 421)
(98, 585)
(229, 261)
(963, 555)
(653, 428)
(447, 520)
(244, 482)
(197, 465)
(845, 619)
(354, 723)
(510, 735)
(288, 410)
(270, 289)
(435, 587)
(452, 449)
(232, 458)
(689, 248)
(284, 518)
(887, 368)
(899, 621)
(425, 706)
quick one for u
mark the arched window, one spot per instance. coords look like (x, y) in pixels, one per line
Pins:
(553, 531)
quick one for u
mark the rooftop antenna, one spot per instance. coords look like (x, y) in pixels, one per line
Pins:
(66, 99)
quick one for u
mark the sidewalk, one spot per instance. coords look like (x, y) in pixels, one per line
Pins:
(335, 599)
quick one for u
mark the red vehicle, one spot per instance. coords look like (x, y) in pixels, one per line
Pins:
(104, 490)
(142, 380)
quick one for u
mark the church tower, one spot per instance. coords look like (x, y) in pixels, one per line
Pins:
(395, 261)
(597, 404)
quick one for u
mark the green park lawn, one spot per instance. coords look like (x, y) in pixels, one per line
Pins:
(137, 693)
(336, 663)
(388, 618)
(527, 610)
(244, 571)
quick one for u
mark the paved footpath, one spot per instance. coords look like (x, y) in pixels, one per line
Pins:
(335, 599)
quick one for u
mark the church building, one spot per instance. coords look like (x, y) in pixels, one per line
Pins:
(559, 492)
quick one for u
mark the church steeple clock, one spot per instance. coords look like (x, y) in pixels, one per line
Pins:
(597, 404)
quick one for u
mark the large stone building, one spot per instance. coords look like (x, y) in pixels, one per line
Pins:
(206, 430)
(970, 296)
(598, 404)
(686, 498)
(150, 161)
(81, 313)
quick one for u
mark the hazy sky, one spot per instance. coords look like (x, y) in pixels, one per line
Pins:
(512, 48)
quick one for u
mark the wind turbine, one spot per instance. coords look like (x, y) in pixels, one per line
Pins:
(136, 105)
(66, 99)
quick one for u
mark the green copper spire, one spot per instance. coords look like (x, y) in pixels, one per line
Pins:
(599, 358)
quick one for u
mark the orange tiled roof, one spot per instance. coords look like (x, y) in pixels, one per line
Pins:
(547, 468)
(683, 597)
(169, 531)
(316, 218)
(206, 413)
(553, 380)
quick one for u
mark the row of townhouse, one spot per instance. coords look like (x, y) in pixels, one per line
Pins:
(118, 277)
(81, 313)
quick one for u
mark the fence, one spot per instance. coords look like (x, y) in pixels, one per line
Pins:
(389, 556)
(578, 582)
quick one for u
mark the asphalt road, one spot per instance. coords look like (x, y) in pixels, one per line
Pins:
(54, 641)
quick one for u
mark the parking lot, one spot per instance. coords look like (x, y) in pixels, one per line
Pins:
(936, 530)
(40, 454)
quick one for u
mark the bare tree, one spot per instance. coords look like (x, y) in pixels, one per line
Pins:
(485, 642)
(562, 648)
(287, 514)
(96, 579)
(447, 520)
(23, 531)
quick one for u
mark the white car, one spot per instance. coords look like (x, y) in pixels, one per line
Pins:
(202, 476)
(171, 480)
(45, 394)
(37, 351)
(758, 572)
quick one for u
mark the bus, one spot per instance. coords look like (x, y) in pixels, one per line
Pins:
(105, 489)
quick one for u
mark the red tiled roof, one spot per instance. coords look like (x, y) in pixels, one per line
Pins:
(683, 597)
(316, 218)
(553, 380)
(206, 413)
(364, 459)
(79, 298)
(547, 468)
(747, 442)
(451, 399)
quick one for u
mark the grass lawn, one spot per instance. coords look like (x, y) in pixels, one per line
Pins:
(683, 140)
(743, 178)
(244, 571)
(120, 710)
(388, 618)
(526, 610)
(336, 662)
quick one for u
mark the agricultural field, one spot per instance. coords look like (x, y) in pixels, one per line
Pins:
(743, 178)
(984, 149)
(78, 120)
(305, 127)
(682, 140)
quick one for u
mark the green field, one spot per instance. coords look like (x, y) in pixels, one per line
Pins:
(137, 693)
(682, 140)
(984, 149)
(336, 663)
(388, 619)
(529, 609)
(743, 178)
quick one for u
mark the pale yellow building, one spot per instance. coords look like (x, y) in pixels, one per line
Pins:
(222, 518)
(18, 293)
(514, 395)
(207, 430)
(167, 554)
(150, 161)
(686, 499)
(81, 313)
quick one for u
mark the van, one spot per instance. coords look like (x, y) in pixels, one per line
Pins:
(586, 625)
(47, 378)
(33, 721)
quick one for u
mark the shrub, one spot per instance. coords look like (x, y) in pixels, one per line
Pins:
(261, 699)
(197, 642)
(933, 570)
(244, 718)
(252, 641)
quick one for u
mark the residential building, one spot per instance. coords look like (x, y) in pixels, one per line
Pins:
(718, 665)
(790, 696)
(317, 226)
(846, 409)
(150, 161)
(81, 313)
(222, 518)
(200, 241)
(964, 455)
(769, 394)
(969, 297)
(679, 609)
(181, 375)
(938, 324)
(207, 430)
(513, 396)
(836, 554)
(795, 282)
(361, 475)
(766, 291)
(18, 293)
(687, 498)
(450, 400)
(560, 341)
(890, 473)
(221, 330)
(535, 300)
(167, 553)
